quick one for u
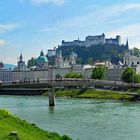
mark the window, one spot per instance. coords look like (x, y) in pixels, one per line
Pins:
(125, 62)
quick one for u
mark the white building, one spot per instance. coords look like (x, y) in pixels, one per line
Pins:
(131, 60)
(51, 52)
(10, 76)
(69, 61)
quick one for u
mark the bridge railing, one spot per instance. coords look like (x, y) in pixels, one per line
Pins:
(73, 81)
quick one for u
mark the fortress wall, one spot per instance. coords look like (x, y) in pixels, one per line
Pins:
(93, 40)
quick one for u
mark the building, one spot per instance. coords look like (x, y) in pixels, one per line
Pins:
(42, 70)
(116, 40)
(9, 76)
(115, 74)
(21, 64)
(42, 61)
(59, 59)
(51, 52)
(69, 61)
(131, 60)
(72, 58)
(1, 65)
(93, 41)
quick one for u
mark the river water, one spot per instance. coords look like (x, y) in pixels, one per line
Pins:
(81, 119)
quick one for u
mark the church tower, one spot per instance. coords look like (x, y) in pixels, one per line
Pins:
(59, 59)
(21, 57)
(21, 63)
(72, 58)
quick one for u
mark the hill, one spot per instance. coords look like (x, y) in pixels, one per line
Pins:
(114, 53)
(94, 48)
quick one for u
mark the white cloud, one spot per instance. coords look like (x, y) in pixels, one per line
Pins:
(7, 27)
(102, 18)
(132, 32)
(95, 17)
(41, 2)
(2, 42)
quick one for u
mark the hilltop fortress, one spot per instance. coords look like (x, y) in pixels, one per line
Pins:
(94, 40)
(96, 47)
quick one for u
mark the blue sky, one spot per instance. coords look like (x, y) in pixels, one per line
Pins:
(28, 26)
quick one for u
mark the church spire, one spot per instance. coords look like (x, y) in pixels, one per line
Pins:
(21, 57)
(42, 53)
(127, 44)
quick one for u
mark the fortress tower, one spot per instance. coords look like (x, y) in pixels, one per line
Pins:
(118, 39)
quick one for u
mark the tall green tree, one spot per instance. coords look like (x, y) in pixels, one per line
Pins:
(98, 72)
(31, 62)
(130, 76)
(90, 60)
(135, 51)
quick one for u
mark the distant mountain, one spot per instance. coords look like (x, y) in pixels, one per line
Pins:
(9, 66)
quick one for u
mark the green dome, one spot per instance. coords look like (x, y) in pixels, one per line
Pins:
(42, 59)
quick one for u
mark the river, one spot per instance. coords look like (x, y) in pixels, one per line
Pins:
(81, 119)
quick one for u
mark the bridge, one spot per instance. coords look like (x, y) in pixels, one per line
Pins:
(51, 84)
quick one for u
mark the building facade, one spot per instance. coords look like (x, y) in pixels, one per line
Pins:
(131, 60)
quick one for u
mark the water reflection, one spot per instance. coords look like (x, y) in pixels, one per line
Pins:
(51, 109)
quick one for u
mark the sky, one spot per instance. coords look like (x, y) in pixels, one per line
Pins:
(29, 26)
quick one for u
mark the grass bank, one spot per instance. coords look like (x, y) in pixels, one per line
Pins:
(25, 130)
(94, 94)
(134, 90)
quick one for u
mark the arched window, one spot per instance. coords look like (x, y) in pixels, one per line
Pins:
(125, 62)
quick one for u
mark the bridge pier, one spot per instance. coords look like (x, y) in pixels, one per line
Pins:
(51, 97)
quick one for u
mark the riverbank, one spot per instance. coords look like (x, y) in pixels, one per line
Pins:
(95, 94)
(12, 128)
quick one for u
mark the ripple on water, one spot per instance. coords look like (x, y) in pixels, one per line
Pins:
(82, 119)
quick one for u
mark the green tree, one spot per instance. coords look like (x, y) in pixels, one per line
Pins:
(135, 51)
(130, 76)
(98, 72)
(79, 60)
(31, 62)
(90, 60)
(73, 75)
